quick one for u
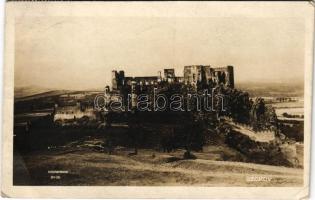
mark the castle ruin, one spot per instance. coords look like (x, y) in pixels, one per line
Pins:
(193, 75)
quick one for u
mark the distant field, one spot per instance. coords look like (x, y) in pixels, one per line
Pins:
(272, 89)
(291, 111)
(35, 93)
(297, 104)
(292, 108)
(41, 95)
(20, 92)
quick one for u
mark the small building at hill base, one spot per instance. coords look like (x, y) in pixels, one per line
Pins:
(73, 112)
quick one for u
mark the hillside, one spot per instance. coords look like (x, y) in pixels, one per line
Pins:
(89, 165)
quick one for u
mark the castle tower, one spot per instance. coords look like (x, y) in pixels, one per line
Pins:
(114, 80)
(159, 77)
(230, 76)
(118, 80)
(169, 75)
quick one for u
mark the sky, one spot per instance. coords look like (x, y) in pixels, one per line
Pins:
(80, 52)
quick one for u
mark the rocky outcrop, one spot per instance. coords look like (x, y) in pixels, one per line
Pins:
(274, 152)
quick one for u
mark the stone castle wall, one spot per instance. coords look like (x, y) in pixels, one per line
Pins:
(192, 75)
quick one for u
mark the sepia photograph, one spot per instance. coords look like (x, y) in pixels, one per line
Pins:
(163, 94)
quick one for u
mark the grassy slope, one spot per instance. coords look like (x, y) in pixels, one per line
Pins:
(91, 167)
